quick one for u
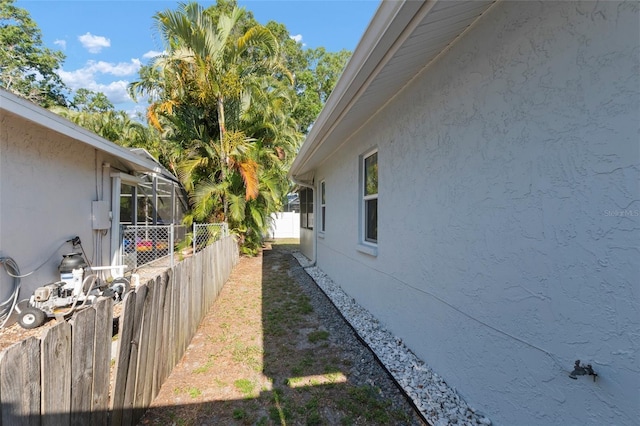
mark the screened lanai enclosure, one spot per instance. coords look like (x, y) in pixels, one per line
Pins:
(152, 206)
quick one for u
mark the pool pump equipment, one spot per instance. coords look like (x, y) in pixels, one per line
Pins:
(78, 287)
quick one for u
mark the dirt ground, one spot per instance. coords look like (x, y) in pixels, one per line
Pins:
(272, 350)
(269, 353)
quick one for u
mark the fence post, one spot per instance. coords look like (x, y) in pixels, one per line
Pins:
(171, 244)
(195, 236)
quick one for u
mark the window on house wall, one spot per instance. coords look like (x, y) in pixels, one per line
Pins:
(370, 196)
(306, 208)
(322, 207)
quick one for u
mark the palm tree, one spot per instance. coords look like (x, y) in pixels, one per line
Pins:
(221, 92)
(208, 64)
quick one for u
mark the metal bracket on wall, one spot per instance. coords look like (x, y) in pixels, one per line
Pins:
(582, 370)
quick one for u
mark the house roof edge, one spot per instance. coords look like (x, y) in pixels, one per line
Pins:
(31, 112)
(391, 17)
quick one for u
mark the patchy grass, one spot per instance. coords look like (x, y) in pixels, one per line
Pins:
(316, 336)
(377, 409)
(246, 386)
(250, 355)
(258, 363)
(206, 366)
(194, 392)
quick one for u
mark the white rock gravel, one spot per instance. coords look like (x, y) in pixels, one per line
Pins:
(438, 402)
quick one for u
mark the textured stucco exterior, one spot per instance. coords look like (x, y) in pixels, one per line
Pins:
(509, 214)
(47, 185)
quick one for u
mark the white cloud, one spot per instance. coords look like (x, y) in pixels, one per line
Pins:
(119, 69)
(61, 43)
(297, 38)
(138, 111)
(92, 75)
(152, 54)
(93, 43)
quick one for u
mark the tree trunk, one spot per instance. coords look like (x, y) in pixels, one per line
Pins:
(223, 154)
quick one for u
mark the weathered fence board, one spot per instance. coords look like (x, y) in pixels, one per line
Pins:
(20, 383)
(173, 316)
(166, 328)
(197, 292)
(83, 329)
(125, 331)
(152, 345)
(102, 361)
(183, 307)
(158, 308)
(56, 375)
(130, 389)
(64, 378)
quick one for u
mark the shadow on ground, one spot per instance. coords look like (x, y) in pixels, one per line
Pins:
(299, 364)
(272, 351)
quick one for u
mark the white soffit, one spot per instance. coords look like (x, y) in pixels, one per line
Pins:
(401, 40)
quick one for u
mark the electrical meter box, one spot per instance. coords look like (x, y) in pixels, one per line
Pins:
(100, 215)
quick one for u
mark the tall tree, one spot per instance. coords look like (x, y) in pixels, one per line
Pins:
(316, 82)
(90, 101)
(27, 68)
(316, 72)
(218, 67)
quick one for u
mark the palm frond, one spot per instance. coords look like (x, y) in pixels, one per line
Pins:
(249, 172)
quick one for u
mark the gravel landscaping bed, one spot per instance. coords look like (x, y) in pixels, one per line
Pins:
(438, 403)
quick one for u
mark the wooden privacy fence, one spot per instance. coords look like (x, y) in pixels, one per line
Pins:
(65, 377)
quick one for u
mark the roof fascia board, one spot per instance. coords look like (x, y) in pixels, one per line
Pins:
(409, 81)
(45, 118)
(391, 25)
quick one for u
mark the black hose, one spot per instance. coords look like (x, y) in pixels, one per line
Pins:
(6, 307)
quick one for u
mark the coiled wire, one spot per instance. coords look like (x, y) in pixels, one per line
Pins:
(7, 306)
(11, 268)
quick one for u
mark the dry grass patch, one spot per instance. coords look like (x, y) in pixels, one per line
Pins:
(265, 356)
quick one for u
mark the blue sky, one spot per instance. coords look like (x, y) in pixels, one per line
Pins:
(107, 41)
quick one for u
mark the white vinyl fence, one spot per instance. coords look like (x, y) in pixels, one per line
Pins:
(285, 225)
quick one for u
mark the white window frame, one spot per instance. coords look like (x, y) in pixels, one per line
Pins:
(366, 245)
(323, 205)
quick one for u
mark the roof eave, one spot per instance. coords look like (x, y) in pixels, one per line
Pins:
(399, 31)
(388, 22)
(31, 112)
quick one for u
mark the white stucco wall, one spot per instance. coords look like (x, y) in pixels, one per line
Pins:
(47, 184)
(509, 203)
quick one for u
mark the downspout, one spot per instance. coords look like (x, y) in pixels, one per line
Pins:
(115, 251)
(315, 235)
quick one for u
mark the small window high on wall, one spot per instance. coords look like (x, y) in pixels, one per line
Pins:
(306, 208)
